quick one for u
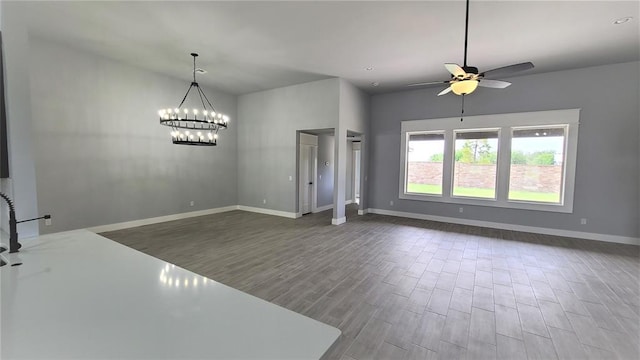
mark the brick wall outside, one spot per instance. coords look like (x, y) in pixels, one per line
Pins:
(538, 178)
(425, 173)
(481, 176)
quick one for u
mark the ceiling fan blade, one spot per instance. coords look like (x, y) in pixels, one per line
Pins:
(495, 84)
(445, 91)
(429, 83)
(456, 70)
(508, 70)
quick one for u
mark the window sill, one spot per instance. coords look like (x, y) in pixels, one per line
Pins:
(521, 205)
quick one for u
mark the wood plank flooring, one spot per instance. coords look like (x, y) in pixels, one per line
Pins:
(411, 289)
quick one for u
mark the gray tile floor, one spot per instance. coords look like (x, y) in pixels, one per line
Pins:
(410, 289)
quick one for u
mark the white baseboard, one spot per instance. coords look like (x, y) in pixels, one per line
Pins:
(322, 208)
(339, 221)
(330, 206)
(159, 219)
(286, 214)
(503, 226)
(363, 211)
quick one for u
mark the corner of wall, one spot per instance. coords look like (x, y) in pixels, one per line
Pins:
(18, 112)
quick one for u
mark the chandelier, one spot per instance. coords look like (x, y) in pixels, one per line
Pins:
(194, 126)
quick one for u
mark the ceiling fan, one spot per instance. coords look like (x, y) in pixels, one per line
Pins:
(465, 79)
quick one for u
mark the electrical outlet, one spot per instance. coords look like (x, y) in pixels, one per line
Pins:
(47, 222)
(290, 178)
(192, 203)
(391, 202)
(264, 201)
(461, 209)
(583, 221)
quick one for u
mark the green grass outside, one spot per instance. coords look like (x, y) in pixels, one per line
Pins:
(485, 193)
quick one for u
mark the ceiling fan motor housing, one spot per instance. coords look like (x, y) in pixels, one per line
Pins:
(470, 69)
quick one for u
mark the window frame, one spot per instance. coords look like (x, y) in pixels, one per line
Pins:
(406, 163)
(506, 123)
(453, 168)
(565, 127)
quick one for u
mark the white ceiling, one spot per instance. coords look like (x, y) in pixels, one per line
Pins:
(252, 46)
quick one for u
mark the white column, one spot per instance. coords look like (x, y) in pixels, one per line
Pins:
(340, 175)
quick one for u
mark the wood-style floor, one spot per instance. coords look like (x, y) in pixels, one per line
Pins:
(410, 289)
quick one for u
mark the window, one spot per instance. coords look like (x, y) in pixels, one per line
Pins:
(537, 158)
(522, 160)
(476, 156)
(424, 163)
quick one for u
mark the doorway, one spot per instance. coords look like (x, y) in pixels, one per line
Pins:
(307, 173)
(306, 178)
(356, 173)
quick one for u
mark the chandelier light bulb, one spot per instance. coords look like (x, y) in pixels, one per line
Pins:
(225, 118)
(215, 136)
(195, 111)
(204, 113)
(186, 111)
(210, 136)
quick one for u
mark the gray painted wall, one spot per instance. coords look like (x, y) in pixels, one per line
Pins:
(101, 155)
(325, 172)
(267, 153)
(607, 173)
(22, 184)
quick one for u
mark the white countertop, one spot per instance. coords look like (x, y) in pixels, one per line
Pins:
(80, 295)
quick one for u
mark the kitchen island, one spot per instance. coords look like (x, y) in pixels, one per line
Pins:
(80, 295)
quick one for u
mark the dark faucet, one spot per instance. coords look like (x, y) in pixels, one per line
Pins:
(14, 245)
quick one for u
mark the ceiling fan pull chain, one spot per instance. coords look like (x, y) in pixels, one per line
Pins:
(462, 113)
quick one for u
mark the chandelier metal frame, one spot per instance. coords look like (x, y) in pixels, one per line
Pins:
(200, 126)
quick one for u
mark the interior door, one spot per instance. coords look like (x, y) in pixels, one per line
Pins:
(306, 178)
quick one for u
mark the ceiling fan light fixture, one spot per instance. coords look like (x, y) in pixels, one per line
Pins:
(464, 87)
